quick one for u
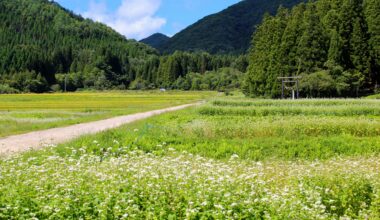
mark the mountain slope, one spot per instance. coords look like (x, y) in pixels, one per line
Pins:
(41, 37)
(228, 31)
(156, 40)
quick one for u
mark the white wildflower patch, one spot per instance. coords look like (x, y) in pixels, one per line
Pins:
(138, 185)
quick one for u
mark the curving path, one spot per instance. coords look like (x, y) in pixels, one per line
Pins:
(39, 139)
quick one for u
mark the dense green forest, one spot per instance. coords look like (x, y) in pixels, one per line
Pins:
(333, 44)
(228, 31)
(39, 39)
(180, 70)
(47, 48)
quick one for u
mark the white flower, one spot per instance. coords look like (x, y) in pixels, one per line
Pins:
(234, 157)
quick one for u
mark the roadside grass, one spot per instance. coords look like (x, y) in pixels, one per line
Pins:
(192, 165)
(30, 112)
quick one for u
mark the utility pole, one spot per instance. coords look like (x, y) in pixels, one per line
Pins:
(283, 87)
(66, 82)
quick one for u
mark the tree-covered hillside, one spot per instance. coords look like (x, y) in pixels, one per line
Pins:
(228, 31)
(333, 44)
(38, 37)
(47, 48)
(156, 40)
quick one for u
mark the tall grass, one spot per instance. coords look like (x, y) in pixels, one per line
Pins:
(288, 110)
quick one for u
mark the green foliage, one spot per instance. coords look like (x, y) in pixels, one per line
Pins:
(372, 16)
(183, 70)
(260, 59)
(330, 39)
(5, 89)
(220, 80)
(317, 84)
(26, 81)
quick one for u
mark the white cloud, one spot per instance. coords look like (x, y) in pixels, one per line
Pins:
(133, 18)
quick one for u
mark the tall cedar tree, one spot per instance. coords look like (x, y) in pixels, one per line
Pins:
(335, 38)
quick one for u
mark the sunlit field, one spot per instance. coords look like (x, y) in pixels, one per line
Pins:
(29, 112)
(232, 158)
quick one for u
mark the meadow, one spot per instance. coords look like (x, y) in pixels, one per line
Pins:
(231, 158)
(29, 112)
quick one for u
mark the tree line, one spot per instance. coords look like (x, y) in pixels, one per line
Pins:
(180, 70)
(333, 44)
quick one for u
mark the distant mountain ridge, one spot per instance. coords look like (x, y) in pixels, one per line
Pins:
(156, 40)
(229, 31)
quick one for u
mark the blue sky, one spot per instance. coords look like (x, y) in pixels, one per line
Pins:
(140, 18)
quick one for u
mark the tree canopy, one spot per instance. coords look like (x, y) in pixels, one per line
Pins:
(335, 41)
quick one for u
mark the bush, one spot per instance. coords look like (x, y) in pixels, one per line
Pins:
(56, 88)
(138, 84)
(318, 84)
(6, 89)
(38, 85)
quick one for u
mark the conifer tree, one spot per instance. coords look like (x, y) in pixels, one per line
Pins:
(372, 14)
(311, 49)
(335, 50)
(359, 49)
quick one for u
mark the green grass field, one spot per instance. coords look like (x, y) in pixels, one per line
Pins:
(29, 112)
(232, 158)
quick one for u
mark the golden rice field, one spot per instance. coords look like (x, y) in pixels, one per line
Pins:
(28, 112)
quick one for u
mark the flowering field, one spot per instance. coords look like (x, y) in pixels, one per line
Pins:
(307, 159)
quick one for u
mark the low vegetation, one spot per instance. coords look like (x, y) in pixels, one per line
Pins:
(193, 164)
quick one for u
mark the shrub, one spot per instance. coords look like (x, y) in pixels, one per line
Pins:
(6, 89)
(318, 84)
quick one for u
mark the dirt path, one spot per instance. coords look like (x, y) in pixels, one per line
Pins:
(39, 139)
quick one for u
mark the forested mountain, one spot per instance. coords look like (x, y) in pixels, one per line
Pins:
(40, 37)
(333, 44)
(228, 31)
(44, 45)
(156, 40)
